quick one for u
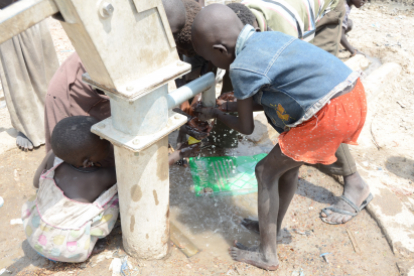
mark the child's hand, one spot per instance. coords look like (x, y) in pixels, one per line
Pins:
(224, 100)
(228, 96)
(357, 52)
(202, 126)
(222, 105)
(205, 113)
(194, 132)
(190, 151)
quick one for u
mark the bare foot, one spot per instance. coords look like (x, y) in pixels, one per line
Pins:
(254, 257)
(100, 246)
(356, 190)
(243, 247)
(23, 142)
(253, 225)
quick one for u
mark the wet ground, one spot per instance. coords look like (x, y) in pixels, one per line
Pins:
(212, 224)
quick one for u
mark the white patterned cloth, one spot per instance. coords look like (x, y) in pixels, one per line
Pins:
(65, 230)
(224, 2)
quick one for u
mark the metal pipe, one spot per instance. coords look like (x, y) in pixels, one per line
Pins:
(204, 84)
(145, 116)
(209, 96)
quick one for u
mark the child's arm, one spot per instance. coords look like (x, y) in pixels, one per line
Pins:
(46, 164)
(231, 107)
(243, 124)
(346, 44)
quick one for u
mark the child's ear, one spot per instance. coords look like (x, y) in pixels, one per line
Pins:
(220, 48)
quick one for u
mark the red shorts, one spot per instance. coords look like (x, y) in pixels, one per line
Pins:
(317, 140)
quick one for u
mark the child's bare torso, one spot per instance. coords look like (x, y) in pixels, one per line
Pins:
(84, 184)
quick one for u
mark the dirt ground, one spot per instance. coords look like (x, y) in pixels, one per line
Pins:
(383, 30)
(212, 224)
(385, 33)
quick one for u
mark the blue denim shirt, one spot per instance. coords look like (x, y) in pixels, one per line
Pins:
(290, 78)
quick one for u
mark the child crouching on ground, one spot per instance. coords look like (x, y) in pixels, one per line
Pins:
(312, 98)
(77, 201)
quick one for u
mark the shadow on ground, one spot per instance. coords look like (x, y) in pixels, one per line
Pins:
(10, 131)
(401, 166)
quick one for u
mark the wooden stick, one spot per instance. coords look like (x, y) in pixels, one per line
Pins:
(182, 242)
(353, 241)
(372, 134)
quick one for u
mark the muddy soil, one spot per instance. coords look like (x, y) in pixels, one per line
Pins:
(212, 223)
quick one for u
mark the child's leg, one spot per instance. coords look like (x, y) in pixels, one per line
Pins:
(288, 184)
(270, 176)
(350, 26)
(345, 42)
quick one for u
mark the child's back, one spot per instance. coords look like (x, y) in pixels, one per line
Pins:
(77, 201)
(84, 185)
(295, 79)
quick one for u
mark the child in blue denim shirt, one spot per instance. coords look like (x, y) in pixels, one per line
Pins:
(308, 95)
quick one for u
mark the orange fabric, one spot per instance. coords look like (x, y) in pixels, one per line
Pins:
(339, 121)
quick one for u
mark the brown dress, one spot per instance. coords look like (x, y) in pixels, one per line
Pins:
(69, 96)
